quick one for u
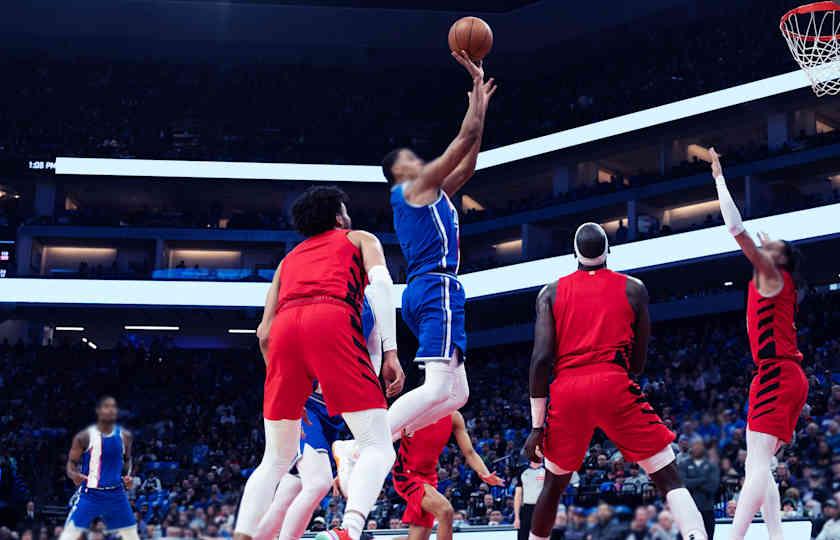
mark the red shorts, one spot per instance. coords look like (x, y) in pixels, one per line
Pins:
(412, 488)
(600, 396)
(318, 340)
(777, 395)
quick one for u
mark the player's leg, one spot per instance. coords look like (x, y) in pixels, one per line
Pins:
(631, 423)
(436, 504)
(272, 521)
(287, 385)
(376, 456)
(79, 518)
(761, 448)
(128, 533)
(771, 510)
(316, 480)
(556, 481)
(416, 532)
(72, 532)
(433, 308)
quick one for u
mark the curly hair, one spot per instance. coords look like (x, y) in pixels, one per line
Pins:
(315, 210)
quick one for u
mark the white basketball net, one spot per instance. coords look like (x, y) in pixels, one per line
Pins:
(811, 32)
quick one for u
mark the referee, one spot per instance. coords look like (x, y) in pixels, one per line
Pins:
(525, 497)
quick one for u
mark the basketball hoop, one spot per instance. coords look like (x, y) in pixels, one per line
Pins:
(812, 33)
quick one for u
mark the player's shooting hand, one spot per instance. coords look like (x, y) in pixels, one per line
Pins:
(532, 446)
(392, 373)
(491, 479)
(764, 238)
(475, 70)
(717, 170)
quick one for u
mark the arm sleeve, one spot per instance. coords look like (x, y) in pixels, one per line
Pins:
(382, 304)
(730, 213)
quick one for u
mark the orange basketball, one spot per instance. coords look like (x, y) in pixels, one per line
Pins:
(473, 35)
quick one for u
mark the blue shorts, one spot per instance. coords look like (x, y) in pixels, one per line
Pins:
(323, 429)
(109, 504)
(433, 308)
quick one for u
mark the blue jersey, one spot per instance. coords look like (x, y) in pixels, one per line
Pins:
(428, 234)
(102, 462)
(368, 321)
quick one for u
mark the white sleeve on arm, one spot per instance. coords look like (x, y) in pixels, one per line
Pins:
(730, 213)
(538, 411)
(382, 304)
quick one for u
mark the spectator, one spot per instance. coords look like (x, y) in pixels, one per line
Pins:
(831, 527)
(665, 528)
(702, 478)
(606, 526)
(639, 525)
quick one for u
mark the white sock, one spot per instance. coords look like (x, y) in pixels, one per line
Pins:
(760, 450)
(771, 510)
(686, 515)
(376, 457)
(316, 479)
(431, 401)
(282, 439)
(533, 536)
(269, 525)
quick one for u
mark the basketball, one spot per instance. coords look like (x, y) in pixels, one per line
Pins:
(473, 35)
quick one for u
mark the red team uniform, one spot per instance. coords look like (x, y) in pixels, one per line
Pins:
(591, 389)
(779, 390)
(416, 466)
(317, 331)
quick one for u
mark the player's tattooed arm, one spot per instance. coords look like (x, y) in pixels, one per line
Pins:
(128, 443)
(542, 357)
(74, 457)
(471, 457)
(637, 295)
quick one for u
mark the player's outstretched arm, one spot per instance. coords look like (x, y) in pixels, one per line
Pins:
(542, 359)
(760, 260)
(457, 163)
(471, 457)
(382, 304)
(271, 297)
(74, 457)
(637, 295)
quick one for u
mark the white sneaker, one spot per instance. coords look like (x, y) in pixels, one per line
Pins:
(345, 454)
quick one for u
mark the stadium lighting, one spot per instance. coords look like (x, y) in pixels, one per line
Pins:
(656, 252)
(92, 345)
(152, 327)
(728, 284)
(612, 127)
(69, 328)
(84, 340)
(241, 331)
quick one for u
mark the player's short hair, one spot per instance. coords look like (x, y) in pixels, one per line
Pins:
(388, 164)
(591, 241)
(315, 210)
(103, 398)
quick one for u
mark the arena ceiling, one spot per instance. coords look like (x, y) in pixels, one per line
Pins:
(475, 6)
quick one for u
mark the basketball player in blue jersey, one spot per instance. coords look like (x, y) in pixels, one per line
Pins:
(301, 490)
(426, 223)
(99, 462)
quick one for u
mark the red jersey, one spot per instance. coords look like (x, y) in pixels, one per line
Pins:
(419, 454)
(594, 319)
(770, 322)
(324, 265)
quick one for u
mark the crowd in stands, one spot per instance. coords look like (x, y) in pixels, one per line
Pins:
(262, 112)
(196, 418)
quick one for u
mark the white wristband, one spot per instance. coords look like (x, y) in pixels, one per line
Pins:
(538, 405)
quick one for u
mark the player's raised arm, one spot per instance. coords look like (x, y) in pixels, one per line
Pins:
(382, 305)
(542, 359)
(454, 167)
(770, 279)
(471, 457)
(637, 295)
(264, 329)
(74, 457)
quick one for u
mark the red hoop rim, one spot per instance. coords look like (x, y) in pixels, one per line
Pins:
(803, 10)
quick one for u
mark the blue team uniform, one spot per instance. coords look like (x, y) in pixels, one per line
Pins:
(325, 429)
(103, 494)
(433, 301)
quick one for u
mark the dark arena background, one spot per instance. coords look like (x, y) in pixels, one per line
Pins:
(150, 154)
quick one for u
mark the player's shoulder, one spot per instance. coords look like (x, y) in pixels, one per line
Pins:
(634, 283)
(359, 237)
(548, 291)
(126, 434)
